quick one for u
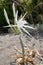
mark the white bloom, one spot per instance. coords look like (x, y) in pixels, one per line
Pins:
(20, 23)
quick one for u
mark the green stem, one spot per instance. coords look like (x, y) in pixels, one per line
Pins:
(22, 46)
(16, 30)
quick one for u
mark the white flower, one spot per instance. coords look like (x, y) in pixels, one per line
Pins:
(20, 23)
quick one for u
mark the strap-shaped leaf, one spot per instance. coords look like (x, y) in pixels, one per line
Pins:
(6, 16)
(14, 13)
(7, 19)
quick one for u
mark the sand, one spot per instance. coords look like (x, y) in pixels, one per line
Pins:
(9, 40)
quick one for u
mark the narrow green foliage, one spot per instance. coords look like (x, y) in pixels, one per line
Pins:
(14, 29)
(7, 19)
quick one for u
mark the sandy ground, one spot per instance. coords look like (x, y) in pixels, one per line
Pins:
(8, 41)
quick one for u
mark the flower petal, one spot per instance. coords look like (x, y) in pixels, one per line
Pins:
(26, 32)
(26, 26)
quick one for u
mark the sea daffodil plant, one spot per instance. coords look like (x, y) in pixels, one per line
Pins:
(20, 23)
